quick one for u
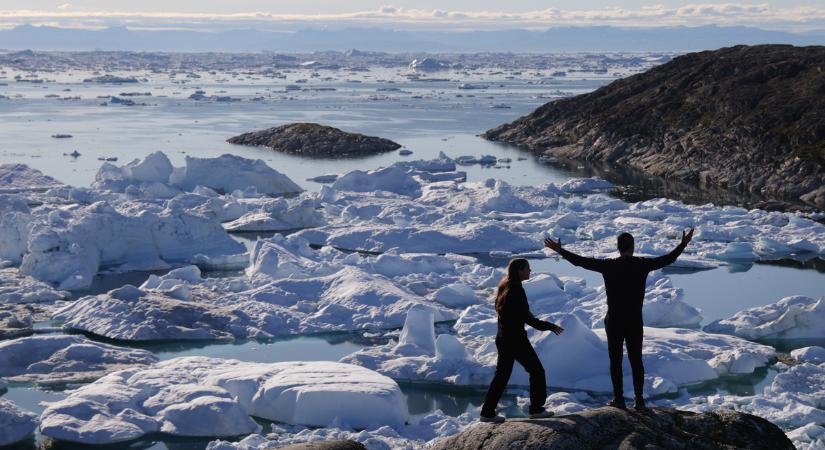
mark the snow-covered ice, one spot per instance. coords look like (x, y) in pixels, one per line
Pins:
(70, 247)
(814, 354)
(57, 359)
(22, 178)
(792, 317)
(199, 396)
(15, 424)
(673, 356)
(18, 288)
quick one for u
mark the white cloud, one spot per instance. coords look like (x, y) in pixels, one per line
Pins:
(794, 18)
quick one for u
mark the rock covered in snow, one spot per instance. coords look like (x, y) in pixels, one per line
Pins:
(22, 178)
(199, 396)
(792, 317)
(15, 424)
(611, 427)
(50, 359)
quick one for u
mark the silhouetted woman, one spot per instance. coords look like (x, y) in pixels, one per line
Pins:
(513, 345)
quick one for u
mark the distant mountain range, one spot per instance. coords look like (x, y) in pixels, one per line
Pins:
(560, 39)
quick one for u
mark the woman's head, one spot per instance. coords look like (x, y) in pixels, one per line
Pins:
(517, 271)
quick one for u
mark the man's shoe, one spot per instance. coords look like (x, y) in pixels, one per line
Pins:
(617, 403)
(640, 405)
(543, 414)
(492, 419)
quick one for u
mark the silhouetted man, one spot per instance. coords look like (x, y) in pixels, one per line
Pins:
(624, 280)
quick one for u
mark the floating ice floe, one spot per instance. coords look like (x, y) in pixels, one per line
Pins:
(154, 176)
(69, 247)
(51, 359)
(199, 396)
(18, 288)
(582, 185)
(15, 221)
(16, 320)
(286, 292)
(814, 354)
(792, 317)
(22, 178)
(15, 424)
(673, 356)
(279, 215)
(388, 179)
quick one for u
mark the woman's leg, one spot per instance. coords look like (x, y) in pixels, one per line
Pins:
(504, 367)
(526, 356)
(615, 338)
(633, 341)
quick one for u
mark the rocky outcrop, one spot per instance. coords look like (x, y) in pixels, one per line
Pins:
(746, 118)
(325, 445)
(312, 139)
(612, 428)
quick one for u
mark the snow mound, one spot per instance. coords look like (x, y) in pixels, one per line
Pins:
(51, 359)
(279, 215)
(15, 424)
(198, 396)
(22, 178)
(790, 318)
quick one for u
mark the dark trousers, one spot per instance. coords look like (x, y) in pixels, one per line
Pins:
(630, 333)
(511, 350)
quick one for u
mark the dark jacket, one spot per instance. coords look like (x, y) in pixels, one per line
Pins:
(515, 313)
(624, 279)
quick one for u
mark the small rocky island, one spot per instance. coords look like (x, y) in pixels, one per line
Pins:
(745, 118)
(312, 139)
(612, 428)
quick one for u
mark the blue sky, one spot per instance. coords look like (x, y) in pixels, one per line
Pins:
(788, 15)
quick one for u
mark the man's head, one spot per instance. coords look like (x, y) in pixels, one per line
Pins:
(625, 244)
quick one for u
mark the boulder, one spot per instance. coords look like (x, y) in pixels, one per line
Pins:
(611, 428)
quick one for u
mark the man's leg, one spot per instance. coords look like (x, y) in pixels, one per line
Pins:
(504, 367)
(615, 336)
(526, 356)
(634, 354)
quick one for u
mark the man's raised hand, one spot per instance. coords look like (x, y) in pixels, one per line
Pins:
(552, 245)
(687, 237)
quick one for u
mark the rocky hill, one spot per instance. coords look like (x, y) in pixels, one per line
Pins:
(745, 118)
(611, 428)
(312, 139)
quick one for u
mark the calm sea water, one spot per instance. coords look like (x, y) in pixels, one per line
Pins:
(424, 117)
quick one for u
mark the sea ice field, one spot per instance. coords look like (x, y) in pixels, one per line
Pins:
(161, 288)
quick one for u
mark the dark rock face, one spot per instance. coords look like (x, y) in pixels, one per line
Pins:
(312, 139)
(612, 428)
(325, 445)
(747, 118)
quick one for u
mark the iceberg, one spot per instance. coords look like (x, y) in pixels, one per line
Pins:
(15, 424)
(790, 318)
(199, 396)
(58, 359)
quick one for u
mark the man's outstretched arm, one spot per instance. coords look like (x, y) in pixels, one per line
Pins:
(594, 264)
(670, 258)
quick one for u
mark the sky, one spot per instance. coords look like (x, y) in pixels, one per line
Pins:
(283, 15)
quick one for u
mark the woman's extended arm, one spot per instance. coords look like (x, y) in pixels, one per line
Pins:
(670, 258)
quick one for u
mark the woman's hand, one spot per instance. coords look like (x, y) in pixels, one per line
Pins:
(554, 328)
(687, 237)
